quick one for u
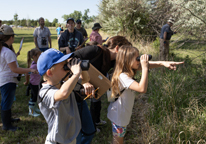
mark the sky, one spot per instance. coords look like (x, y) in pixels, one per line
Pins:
(48, 9)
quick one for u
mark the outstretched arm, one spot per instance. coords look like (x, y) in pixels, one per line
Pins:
(168, 64)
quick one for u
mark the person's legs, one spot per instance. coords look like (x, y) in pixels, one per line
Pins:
(88, 129)
(161, 52)
(118, 133)
(7, 94)
(43, 49)
(167, 50)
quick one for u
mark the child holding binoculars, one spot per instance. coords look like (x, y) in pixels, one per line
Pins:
(124, 86)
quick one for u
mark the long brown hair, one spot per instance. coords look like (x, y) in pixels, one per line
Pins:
(124, 60)
(30, 54)
(3, 39)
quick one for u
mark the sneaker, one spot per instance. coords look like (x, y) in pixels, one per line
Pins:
(32, 112)
(101, 123)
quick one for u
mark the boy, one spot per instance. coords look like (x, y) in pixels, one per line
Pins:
(57, 102)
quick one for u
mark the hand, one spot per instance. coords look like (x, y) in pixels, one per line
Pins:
(74, 65)
(18, 53)
(68, 50)
(34, 71)
(25, 83)
(144, 60)
(89, 88)
(103, 41)
(171, 65)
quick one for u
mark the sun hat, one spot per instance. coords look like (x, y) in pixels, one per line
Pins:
(96, 26)
(70, 19)
(7, 30)
(171, 20)
(50, 57)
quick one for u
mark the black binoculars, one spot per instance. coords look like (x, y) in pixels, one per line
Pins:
(84, 65)
(138, 58)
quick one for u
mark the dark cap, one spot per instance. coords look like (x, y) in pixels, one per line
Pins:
(70, 19)
(96, 26)
(78, 21)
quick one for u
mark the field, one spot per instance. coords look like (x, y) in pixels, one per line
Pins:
(172, 111)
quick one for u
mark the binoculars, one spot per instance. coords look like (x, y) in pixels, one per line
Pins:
(138, 58)
(84, 65)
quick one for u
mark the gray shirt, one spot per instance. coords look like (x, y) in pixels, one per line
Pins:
(42, 36)
(62, 117)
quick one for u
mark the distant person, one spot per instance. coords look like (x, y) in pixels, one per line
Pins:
(81, 29)
(56, 98)
(9, 76)
(58, 30)
(34, 81)
(62, 30)
(95, 36)
(165, 36)
(0, 23)
(42, 37)
(70, 39)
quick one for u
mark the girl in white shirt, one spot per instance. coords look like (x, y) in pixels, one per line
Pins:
(9, 71)
(124, 86)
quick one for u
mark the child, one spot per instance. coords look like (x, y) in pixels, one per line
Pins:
(124, 86)
(34, 81)
(57, 102)
(9, 71)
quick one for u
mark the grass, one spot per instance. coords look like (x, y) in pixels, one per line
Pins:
(172, 110)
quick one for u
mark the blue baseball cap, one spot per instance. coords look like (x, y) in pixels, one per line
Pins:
(70, 19)
(50, 57)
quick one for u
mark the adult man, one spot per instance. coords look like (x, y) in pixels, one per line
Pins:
(42, 36)
(165, 36)
(81, 29)
(0, 23)
(70, 39)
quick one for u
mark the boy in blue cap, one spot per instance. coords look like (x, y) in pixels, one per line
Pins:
(57, 102)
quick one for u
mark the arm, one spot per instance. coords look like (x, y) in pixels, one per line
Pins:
(142, 85)
(49, 38)
(27, 79)
(85, 77)
(20, 70)
(35, 42)
(164, 37)
(65, 49)
(68, 86)
(168, 64)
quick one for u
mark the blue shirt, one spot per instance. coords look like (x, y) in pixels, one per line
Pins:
(166, 28)
(58, 30)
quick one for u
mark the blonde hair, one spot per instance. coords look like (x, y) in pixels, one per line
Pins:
(30, 54)
(124, 61)
(45, 77)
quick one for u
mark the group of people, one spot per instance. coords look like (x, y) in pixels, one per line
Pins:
(66, 113)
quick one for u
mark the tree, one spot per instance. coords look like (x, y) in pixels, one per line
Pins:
(15, 19)
(75, 15)
(47, 23)
(55, 21)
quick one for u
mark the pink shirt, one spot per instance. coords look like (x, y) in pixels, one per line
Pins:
(95, 36)
(34, 78)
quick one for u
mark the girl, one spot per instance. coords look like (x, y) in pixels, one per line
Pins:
(34, 80)
(9, 71)
(123, 87)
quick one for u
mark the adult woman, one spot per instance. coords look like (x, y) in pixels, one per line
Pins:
(9, 71)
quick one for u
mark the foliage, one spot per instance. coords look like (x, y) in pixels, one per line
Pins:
(15, 19)
(124, 17)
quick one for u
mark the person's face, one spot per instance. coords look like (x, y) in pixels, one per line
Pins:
(135, 63)
(41, 22)
(70, 25)
(78, 24)
(58, 72)
(0, 23)
(35, 58)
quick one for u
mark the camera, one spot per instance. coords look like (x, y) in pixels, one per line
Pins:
(84, 65)
(43, 41)
(138, 58)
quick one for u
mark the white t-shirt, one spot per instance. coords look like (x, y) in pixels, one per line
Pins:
(120, 111)
(6, 75)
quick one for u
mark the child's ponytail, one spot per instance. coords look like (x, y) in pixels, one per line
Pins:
(28, 59)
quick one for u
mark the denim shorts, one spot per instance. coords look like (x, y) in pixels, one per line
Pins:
(7, 95)
(43, 49)
(118, 131)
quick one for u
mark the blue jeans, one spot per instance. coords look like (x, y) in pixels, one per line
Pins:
(7, 95)
(43, 49)
(88, 129)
